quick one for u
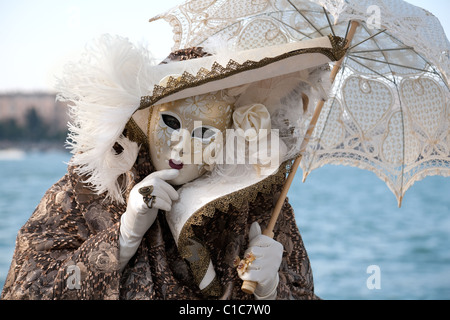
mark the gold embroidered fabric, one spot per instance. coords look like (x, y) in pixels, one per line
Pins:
(194, 251)
(134, 133)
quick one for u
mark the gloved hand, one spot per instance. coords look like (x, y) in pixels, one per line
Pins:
(138, 217)
(267, 254)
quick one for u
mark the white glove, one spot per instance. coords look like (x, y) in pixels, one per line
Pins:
(138, 217)
(264, 269)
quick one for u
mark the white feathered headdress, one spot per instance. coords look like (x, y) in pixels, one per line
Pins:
(103, 91)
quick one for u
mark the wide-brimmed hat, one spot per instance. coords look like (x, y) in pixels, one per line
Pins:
(231, 69)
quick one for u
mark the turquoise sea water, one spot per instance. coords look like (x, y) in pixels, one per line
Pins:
(361, 246)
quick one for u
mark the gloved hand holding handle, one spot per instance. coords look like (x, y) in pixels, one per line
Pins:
(264, 255)
(139, 215)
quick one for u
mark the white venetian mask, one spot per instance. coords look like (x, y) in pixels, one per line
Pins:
(187, 134)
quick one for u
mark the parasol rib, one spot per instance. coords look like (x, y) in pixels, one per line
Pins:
(304, 17)
(329, 22)
(372, 70)
(391, 63)
(383, 50)
(270, 14)
(367, 39)
(291, 27)
(349, 24)
(383, 53)
(250, 286)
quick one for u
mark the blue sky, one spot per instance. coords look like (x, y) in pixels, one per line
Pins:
(38, 37)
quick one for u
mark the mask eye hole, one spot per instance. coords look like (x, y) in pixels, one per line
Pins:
(171, 121)
(204, 133)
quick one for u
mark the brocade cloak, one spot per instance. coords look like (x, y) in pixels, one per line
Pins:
(69, 247)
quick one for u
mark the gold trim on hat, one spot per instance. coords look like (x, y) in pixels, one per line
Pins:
(217, 72)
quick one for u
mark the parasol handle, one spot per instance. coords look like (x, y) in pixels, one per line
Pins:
(250, 286)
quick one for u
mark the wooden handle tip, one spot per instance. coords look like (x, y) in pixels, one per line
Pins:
(249, 286)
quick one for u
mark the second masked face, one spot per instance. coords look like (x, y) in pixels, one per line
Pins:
(187, 134)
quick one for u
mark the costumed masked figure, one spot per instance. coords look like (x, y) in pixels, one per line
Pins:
(166, 193)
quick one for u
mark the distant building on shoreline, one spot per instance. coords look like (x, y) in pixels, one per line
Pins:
(16, 105)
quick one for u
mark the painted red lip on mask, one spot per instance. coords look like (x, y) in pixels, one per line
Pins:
(174, 165)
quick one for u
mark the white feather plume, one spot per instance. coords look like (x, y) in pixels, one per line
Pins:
(103, 90)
